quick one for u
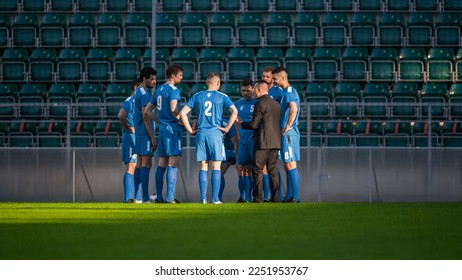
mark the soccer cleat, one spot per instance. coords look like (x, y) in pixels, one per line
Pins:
(131, 200)
(293, 200)
(153, 197)
(241, 200)
(218, 202)
(204, 201)
(138, 201)
(173, 201)
(146, 202)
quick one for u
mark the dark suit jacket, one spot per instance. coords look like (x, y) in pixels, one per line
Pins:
(265, 123)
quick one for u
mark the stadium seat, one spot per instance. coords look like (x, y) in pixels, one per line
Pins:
(167, 30)
(86, 95)
(258, 5)
(14, 65)
(32, 98)
(346, 100)
(230, 6)
(4, 134)
(334, 29)
(193, 30)
(117, 6)
(201, 6)
(8, 97)
(89, 6)
(458, 66)
(80, 31)
(71, 65)
(250, 30)
(306, 30)
(37, 6)
(404, 97)
(342, 5)
(162, 60)
(435, 95)
(221, 30)
(51, 133)
(448, 29)
(370, 5)
(338, 133)
(426, 5)
(398, 5)
(9, 6)
(145, 6)
(317, 132)
(363, 29)
(375, 99)
(25, 30)
(383, 64)
(53, 30)
(185, 91)
(22, 133)
(82, 133)
(62, 6)
(108, 134)
(368, 133)
(397, 133)
(60, 96)
(287, 5)
(278, 30)
(451, 133)
(391, 29)
(240, 63)
(187, 58)
(198, 87)
(411, 65)
(440, 65)
(233, 90)
(419, 30)
(354, 64)
(211, 60)
(5, 31)
(315, 6)
(127, 64)
(452, 5)
(297, 63)
(421, 132)
(42, 65)
(326, 64)
(114, 96)
(99, 65)
(455, 100)
(109, 29)
(322, 94)
(137, 30)
(268, 57)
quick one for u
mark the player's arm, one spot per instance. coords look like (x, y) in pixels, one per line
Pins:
(123, 120)
(232, 119)
(184, 119)
(174, 108)
(256, 118)
(151, 112)
(292, 114)
(147, 123)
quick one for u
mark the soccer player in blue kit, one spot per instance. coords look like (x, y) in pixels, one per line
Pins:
(170, 139)
(146, 143)
(209, 105)
(230, 141)
(131, 183)
(245, 153)
(290, 140)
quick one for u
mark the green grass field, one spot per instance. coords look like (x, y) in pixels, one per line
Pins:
(318, 231)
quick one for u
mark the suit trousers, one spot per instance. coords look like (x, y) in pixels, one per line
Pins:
(270, 159)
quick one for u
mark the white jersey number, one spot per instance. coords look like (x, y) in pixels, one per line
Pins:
(208, 108)
(159, 103)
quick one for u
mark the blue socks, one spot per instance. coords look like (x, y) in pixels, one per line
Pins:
(222, 188)
(216, 182)
(241, 186)
(295, 182)
(129, 186)
(171, 182)
(203, 181)
(248, 188)
(145, 182)
(266, 187)
(160, 171)
(289, 194)
(137, 181)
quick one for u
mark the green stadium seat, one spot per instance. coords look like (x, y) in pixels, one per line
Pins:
(370, 5)
(338, 133)
(297, 63)
(108, 134)
(114, 96)
(162, 60)
(221, 30)
(89, 6)
(421, 132)
(8, 97)
(32, 98)
(109, 29)
(211, 60)
(278, 30)
(397, 5)
(71, 65)
(440, 65)
(411, 65)
(452, 5)
(397, 133)
(88, 93)
(367, 133)
(229, 6)
(60, 97)
(322, 94)
(315, 6)
(62, 6)
(317, 131)
(127, 64)
(426, 5)
(451, 133)
(240, 63)
(455, 100)
(5, 31)
(169, 6)
(391, 29)
(187, 58)
(193, 30)
(375, 99)
(198, 87)
(342, 5)
(436, 95)
(258, 5)
(167, 30)
(4, 134)
(419, 30)
(448, 29)
(117, 6)
(354, 64)
(306, 29)
(250, 30)
(346, 99)
(80, 31)
(404, 97)
(383, 64)
(363, 29)
(458, 66)
(334, 29)
(53, 30)
(25, 30)
(9, 6)
(14, 65)
(82, 133)
(137, 30)
(233, 90)
(42, 65)
(201, 6)
(22, 133)
(287, 5)
(146, 5)
(268, 57)
(326, 64)
(99, 65)
(51, 133)
(38, 6)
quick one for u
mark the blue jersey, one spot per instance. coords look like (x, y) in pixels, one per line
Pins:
(129, 106)
(208, 105)
(229, 145)
(276, 93)
(142, 97)
(245, 112)
(290, 95)
(161, 98)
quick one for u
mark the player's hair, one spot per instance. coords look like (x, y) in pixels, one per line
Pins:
(246, 82)
(136, 82)
(259, 83)
(212, 75)
(146, 72)
(268, 69)
(172, 69)
(279, 70)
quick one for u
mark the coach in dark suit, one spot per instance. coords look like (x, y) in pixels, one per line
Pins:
(267, 141)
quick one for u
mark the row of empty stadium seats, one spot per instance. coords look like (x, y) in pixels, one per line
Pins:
(328, 132)
(219, 29)
(128, 6)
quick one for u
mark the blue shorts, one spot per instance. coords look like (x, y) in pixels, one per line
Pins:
(230, 157)
(209, 146)
(128, 147)
(143, 146)
(245, 155)
(170, 142)
(290, 147)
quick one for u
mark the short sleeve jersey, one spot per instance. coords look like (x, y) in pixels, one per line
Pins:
(290, 95)
(276, 93)
(129, 106)
(161, 99)
(142, 98)
(245, 112)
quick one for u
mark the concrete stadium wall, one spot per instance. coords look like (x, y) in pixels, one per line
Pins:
(327, 175)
